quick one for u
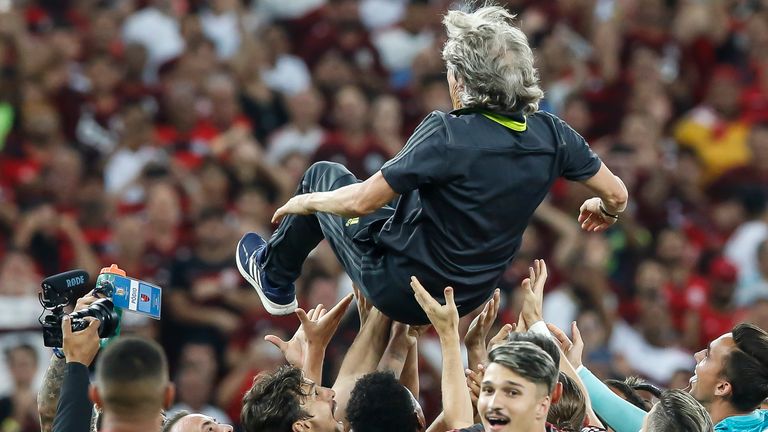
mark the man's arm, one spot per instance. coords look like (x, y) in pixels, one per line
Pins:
(48, 397)
(395, 356)
(74, 410)
(362, 357)
(610, 189)
(457, 404)
(353, 200)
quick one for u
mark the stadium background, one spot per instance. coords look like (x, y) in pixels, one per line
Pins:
(152, 133)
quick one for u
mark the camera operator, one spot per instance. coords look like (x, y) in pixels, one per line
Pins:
(48, 397)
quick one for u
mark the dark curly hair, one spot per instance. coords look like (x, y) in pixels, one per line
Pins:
(379, 403)
(273, 404)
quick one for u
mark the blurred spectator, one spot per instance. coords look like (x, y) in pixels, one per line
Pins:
(195, 380)
(387, 123)
(220, 23)
(303, 133)
(287, 73)
(719, 313)
(398, 45)
(715, 129)
(351, 143)
(206, 300)
(754, 286)
(18, 411)
(157, 29)
(136, 150)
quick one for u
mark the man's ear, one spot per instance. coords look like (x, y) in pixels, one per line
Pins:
(169, 396)
(93, 394)
(557, 393)
(723, 388)
(542, 408)
(300, 426)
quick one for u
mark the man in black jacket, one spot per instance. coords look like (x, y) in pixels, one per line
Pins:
(132, 386)
(452, 206)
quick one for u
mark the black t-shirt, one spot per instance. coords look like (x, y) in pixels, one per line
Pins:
(469, 183)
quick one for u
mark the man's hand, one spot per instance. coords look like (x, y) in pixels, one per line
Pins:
(86, 300)
(445, 318)
(572, 350)
(320, 332)
(481, 325)
(294, 349)
(594, 219)
(501, 336)
(474, 380)
(295, 205)
(533, 293)
(82, 346)
(479, 328)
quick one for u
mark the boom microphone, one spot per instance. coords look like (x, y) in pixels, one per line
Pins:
(56, 288)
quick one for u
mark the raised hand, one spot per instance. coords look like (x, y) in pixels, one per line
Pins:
(573, 350)
(474, 380)
(294, 349)
(481, 325)
(320, 331)
(479, 328)
(445, 318)
(80, 346)
(501, 336)
(533, 293)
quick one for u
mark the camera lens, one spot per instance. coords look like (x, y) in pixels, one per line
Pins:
(104, 311)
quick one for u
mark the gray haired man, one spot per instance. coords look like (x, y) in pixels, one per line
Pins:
(451, 207)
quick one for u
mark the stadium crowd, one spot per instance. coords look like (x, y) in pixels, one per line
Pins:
(153, 133)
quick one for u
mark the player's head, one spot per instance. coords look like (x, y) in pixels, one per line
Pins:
(132, 379)
(489, 62)
(628, 393)
(733, 369)
(286, 401)
(516, 387)
(541, 341)
(569, 411)
(678, 411)
(379, 403)
(183, 421)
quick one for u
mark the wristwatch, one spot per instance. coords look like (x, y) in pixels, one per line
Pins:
(606, 214)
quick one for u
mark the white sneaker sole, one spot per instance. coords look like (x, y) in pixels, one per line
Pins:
(270, 306)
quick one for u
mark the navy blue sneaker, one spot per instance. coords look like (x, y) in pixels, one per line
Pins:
(277, 301)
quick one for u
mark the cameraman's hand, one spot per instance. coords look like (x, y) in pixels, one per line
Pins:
(82, 346)
(86, 300)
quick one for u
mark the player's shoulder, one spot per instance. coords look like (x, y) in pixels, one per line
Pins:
(546, 117)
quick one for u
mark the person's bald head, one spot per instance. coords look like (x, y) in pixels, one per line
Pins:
(186, 422)
(132, 379)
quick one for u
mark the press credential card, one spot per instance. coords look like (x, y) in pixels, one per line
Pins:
(137, 296)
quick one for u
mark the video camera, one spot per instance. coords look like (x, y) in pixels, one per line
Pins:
(118, 291)
(59, 290)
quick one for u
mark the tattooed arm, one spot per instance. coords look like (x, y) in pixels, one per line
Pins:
(48, 397)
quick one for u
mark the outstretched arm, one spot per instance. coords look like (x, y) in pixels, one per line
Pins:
(362, 356)
(457, 405)
(353, 200)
